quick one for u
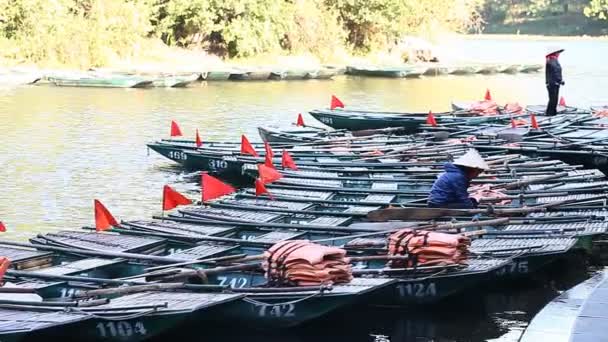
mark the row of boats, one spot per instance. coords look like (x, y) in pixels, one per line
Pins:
(336, 220)
(106, 78)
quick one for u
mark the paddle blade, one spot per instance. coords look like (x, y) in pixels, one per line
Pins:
(172, 198)
(175, 130)
(246, 147)
(198, 141)
(335, 103)
(214, 188)
(300, 121)
(103, 219)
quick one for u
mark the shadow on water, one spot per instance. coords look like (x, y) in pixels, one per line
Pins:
(497, 312)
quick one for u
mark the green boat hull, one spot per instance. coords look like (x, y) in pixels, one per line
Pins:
(105, 82)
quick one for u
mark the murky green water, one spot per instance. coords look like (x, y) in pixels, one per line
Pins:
(62, 147)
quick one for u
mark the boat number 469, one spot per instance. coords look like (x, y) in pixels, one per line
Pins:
(177, 155)
(121, 329)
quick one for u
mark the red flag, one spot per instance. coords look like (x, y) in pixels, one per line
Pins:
(214, 188)
(172, 198)
(268, 150)
(246, 147)
(4, 264)
(103, 219)
(199, 142)
(260, 188)
(175, 131)
(430, 119)
(2, 227)
(488, 96)
(513, 124)
(287, 161)
(335, 103)
(268, 161)
(533, 121)
(267, 174)
(300, 121)
(562, 101)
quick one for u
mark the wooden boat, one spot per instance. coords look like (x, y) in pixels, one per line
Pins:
(103, 81)
(292, 74)
(218, 75)
(250, 75)
(530, 68)
(322, 74)
(464, 70)
(510, 68)
(390, 72)
(176, 81)
(487, 69)
(436, 70)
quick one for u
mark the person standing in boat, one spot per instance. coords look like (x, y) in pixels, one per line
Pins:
(450, 190)
(553, 79)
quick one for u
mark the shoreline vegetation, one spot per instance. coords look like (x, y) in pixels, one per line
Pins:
(181, 35)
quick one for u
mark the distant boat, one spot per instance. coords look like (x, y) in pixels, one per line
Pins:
(101, 81)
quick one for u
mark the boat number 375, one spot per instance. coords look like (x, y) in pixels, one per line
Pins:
(115, 329)
(177, 155)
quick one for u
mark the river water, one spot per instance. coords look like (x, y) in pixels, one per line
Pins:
(62, 147)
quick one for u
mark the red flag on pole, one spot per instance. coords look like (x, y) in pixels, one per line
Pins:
(103, 219)
(562, 101)
(533, 121)
(199, 142)
(260, 188)
(172, 198)
(287, 161)
(2, 227)
(268, 150)
(513, 124)
(300, 121)
(246, 147)
(488, 96)
(430, 119)
(335, 103)
(267, 174)
(175, 131)
(214, 188)
(268, 161)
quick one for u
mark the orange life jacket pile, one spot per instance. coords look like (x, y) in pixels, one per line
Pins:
(484, 191)
(603, 113)
(484, 108)
(303, 263)
(426, 248)
(513, 108)
(4, 264)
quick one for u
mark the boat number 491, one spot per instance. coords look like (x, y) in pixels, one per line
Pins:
(121, 329)
(177, 155)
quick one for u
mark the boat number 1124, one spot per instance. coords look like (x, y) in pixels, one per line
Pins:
(114, 329)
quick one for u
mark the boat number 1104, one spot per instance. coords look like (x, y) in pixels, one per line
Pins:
(114, 329)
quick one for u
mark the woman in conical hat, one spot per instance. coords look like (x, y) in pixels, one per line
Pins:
(553, 78)
(450, 190)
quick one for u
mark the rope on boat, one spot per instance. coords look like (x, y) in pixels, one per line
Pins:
(259, 303)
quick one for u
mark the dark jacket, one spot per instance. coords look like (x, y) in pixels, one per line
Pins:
(450, 189)
(553, 72)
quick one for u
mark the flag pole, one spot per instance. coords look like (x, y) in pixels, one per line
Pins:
(162, 206)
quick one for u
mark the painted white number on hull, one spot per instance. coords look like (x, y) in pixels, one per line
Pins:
(326, 120)
(215, 164)
(236, 283)
(178, 155)
(418, 290)
(67, 292)
(515, 267)
(121, 329)
(279, 311)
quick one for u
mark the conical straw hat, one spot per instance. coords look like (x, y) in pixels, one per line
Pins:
(553, 49)
(473, 160)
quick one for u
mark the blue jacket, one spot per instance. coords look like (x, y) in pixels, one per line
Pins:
(450, 189)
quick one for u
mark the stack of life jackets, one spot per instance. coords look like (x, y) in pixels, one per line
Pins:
(484, 108)
(513, 108)
(4, 264)
(303, 263)
(425, 248)
(485, 191)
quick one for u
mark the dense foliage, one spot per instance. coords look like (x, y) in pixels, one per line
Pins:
(93, 32)
(597, 8)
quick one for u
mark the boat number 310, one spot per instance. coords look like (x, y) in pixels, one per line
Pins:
(121, 329)
(177, 155)
(217, 164)
(278, 310)
(418, 290)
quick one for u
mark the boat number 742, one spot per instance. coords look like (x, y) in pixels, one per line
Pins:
(113, 329)
(278, 310)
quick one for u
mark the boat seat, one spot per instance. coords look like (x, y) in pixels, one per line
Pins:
(360, 209)
(178, 228)
(202, 250)
(385, 186)
(109, 242)
(233, 214)
(277, 236)
(379, 198)
(22, 259)
(79, 266)
(328, 221)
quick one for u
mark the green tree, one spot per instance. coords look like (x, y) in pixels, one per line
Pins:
(597, 8)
